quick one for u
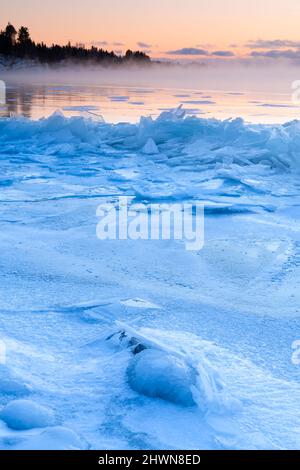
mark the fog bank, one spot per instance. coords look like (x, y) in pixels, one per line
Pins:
(233, 77)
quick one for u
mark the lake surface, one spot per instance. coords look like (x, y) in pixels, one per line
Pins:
(123, 103)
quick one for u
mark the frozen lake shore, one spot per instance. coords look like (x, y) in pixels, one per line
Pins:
(218, 324)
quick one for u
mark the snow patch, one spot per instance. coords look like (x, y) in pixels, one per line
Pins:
(25, 414)
(10, 384)
(139, 303)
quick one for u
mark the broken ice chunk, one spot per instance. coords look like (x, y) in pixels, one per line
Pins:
(158, 375)
(150, 148)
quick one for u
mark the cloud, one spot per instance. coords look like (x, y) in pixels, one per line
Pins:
(278, 54)
(144, 45)
(203, 102)
(195, 51)
(99, 43)
(223, 53)
(188, 51)
(276, 105)
(272, 44)
(118, 44)
(121, 98)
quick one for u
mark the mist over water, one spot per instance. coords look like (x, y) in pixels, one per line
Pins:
(256, 92)
(234, 76)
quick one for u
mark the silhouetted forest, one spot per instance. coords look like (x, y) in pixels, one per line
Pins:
(19, 44)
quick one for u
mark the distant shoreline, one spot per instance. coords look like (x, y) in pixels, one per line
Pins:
(20, 46)
(11, 63)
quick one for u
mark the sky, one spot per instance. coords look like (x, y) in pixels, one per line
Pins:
(192, 29)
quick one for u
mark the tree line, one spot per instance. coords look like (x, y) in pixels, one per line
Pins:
(19, 44)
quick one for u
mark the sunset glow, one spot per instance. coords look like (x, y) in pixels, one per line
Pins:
(169, 28)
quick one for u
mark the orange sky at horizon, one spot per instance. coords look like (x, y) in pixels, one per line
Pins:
(161, 25)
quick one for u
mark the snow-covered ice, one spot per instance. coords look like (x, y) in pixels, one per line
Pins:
(25, 414)
(215, 328)
(156, 374)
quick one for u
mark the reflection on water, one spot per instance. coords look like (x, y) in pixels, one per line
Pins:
(117, 104)
(18, 101)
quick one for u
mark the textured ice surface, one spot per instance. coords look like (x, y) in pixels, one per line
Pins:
(228, 314)
(54, 438)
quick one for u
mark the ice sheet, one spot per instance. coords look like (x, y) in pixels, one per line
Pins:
(229, 311)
